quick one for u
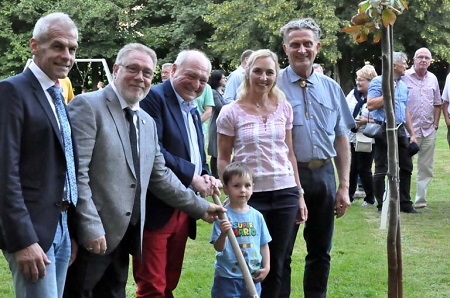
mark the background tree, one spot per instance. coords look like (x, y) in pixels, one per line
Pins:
(242, 24)
(223, 29)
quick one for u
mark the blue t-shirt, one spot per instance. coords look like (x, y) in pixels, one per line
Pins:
(251, 232)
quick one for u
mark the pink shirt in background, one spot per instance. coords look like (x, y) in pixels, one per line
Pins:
(261, 145)
(423, 95)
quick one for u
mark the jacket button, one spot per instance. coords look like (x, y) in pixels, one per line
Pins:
(133, 185)
(128, 213)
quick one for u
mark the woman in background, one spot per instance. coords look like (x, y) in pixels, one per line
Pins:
(217, 81)
(361, 162)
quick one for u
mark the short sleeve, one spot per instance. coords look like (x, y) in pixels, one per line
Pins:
(289, 114)
(226, 122)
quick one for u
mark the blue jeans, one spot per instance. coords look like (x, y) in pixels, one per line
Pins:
(52, 285)
(224, 287)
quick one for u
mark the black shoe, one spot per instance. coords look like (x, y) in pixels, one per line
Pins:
(409, 210)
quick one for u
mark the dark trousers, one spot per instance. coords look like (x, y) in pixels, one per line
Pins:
(381, 168)
(213, 166)
(361, 164)
(93, 275)
(320, 194)
(280, 209)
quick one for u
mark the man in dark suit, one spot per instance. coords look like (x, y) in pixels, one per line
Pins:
(119, 160)
(37, 163)
(181, 139)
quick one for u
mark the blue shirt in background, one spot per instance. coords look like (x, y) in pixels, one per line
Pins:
(401, 100)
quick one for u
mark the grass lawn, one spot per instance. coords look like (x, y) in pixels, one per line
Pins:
(359, 258)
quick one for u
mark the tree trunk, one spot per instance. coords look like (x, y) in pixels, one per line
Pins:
(395, 287)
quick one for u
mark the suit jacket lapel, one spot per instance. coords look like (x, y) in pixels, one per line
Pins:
(174, 108)
(43, 101)
(118, 116)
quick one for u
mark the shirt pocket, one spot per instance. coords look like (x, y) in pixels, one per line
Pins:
(299, 113)
(327, 118)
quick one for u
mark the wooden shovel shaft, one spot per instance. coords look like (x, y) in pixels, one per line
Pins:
(237, 251)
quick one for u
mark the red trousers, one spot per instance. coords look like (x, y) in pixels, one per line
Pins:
(162, 258)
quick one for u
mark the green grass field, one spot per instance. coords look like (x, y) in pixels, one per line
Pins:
(359, 258)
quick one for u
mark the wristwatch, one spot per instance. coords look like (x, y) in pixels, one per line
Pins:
(301, 191)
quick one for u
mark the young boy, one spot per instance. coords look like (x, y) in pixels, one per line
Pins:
(251, 232)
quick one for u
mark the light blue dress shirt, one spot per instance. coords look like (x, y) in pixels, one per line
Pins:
(313, 137)
(233, 82)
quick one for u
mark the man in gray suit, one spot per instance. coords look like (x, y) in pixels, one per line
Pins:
(114, 175)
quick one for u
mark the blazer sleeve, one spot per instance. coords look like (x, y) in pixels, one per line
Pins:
(16, 227)
(164, 184)
(84, 128)
(155, 106)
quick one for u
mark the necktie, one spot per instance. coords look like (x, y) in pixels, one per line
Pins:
(135, 215)
(303, 86)
(71, 181)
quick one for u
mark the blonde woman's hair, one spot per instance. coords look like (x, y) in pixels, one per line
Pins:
(244, 88)
(368, 72)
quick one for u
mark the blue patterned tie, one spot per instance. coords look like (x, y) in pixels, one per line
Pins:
(71, 181)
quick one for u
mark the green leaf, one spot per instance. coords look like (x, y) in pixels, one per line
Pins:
(388, 16)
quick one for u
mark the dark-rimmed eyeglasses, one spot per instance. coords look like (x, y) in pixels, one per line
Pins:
(134, 70)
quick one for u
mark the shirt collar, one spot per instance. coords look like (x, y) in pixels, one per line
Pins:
(43, 79)
(293, 77)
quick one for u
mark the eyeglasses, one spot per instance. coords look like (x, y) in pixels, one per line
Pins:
(359, 80)
(134, 70)
(423, 58)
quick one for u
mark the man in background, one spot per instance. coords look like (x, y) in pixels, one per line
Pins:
(375, 104)
(235, 78)
(166, 68)
(67, 88)
(424, 106)
(446, 106)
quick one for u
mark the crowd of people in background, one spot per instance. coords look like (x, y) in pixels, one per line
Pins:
(124, 170)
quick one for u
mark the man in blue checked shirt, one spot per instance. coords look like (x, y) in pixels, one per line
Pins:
(319, 135)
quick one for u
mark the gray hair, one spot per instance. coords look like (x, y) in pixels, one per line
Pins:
(306, 23)
(422, 50)
(183, 55)
(168, 64)
(59, 19)
(399, 57)
(127, 49)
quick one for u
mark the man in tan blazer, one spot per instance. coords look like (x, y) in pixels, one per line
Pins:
(112, 188)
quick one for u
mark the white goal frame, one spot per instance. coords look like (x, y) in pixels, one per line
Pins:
(101, 60)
